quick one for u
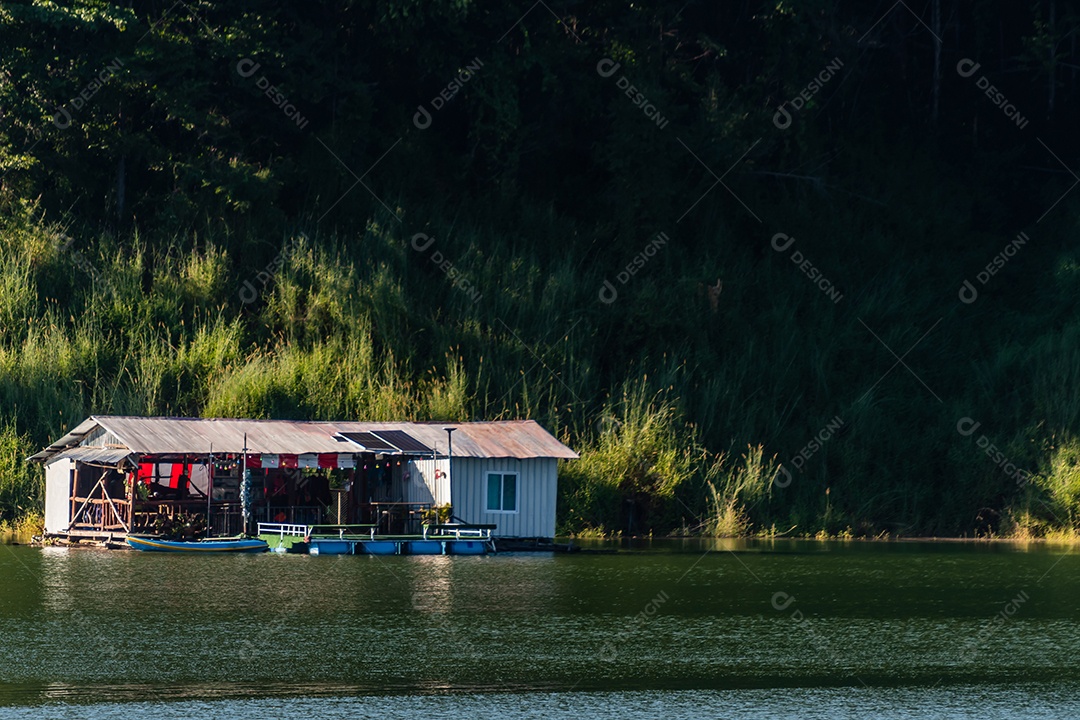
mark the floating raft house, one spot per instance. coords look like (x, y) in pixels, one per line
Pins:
(113, 476)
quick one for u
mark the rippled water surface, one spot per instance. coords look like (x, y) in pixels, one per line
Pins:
(769, 629)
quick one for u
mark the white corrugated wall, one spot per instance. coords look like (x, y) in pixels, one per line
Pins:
(423, 485)
(536, 489)
(58, 495)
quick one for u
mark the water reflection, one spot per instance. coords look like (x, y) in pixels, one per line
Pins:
(1034, 701)
(89, 626)
(432, 590)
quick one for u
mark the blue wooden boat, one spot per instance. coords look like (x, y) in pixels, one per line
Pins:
(234, 545)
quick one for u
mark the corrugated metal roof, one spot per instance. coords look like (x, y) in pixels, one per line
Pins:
(71, 439)
(160, 435)
(94, 454)
(497, 439)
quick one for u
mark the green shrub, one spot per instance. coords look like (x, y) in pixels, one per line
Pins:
(21, 484)
(628, 476)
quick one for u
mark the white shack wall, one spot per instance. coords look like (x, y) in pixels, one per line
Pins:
(536, 490)
(423, 486)
(58, 476)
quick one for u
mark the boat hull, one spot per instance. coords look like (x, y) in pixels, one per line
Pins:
(202, 546)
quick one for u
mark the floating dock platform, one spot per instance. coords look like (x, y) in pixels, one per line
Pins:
(454, 539)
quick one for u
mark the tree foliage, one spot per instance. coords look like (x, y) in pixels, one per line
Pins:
(214, 207)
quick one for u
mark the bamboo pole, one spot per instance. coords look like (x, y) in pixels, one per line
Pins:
(209, 492)
(116, 513)
(245, 507)
(71, 520)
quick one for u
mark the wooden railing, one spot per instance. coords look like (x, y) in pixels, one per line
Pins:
(97, 512)
(398, 517)
(101, 513)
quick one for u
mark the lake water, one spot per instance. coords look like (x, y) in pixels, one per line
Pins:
(777, 629)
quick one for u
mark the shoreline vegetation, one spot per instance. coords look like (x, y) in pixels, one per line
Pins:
(74, 346)
(1065, 537)
(725, 362)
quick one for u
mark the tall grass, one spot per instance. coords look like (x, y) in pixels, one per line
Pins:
(21, 489)
(639, 455)
(735, 489)
(660, 391)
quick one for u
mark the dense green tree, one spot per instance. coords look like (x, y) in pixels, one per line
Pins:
(212, 208)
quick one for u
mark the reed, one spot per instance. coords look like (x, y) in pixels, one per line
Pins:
(20, 488)
(658, 391)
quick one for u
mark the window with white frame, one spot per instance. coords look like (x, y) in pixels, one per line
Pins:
(502, 492)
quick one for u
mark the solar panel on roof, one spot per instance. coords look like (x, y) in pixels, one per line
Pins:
(369, 441)
(403, 441)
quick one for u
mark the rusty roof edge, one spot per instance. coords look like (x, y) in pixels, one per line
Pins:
(538, 442)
